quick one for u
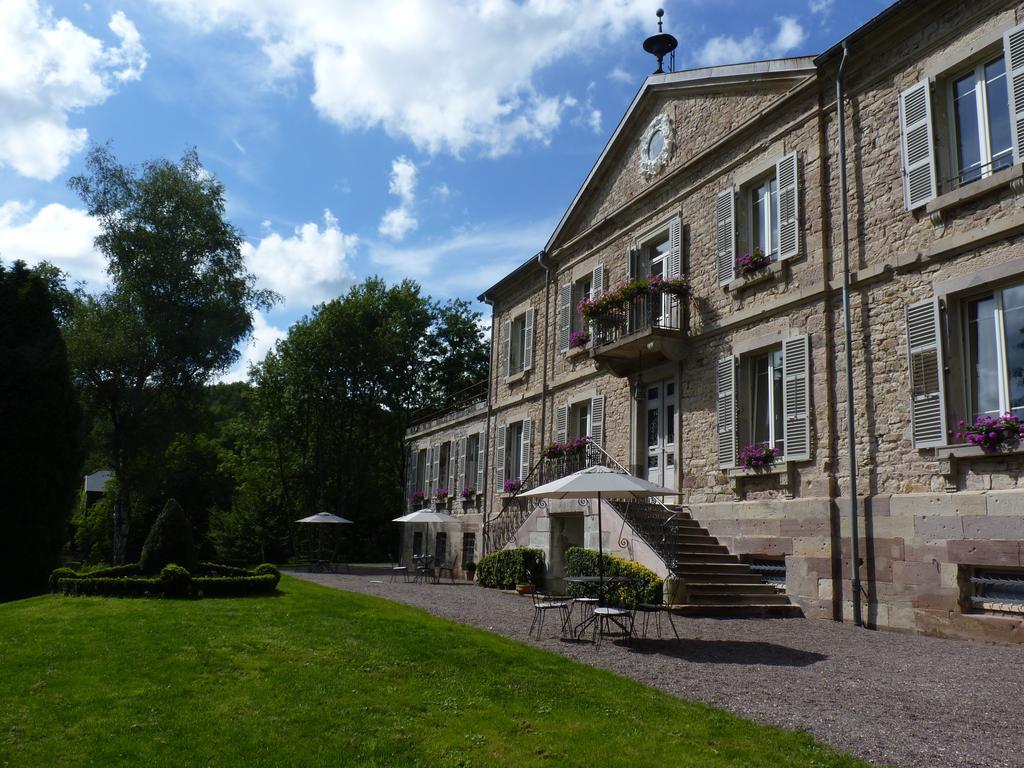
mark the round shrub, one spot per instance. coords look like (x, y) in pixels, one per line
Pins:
(169, 541)
(268, 569)
(176, 581)
(57, 575)
(508, 567)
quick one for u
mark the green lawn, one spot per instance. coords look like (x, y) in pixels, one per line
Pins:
(316, 677)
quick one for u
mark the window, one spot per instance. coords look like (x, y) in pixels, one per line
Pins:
(440, 547)
(443, 466)
(513, 451)
(764, 216)
(469, 466)
(995, 590)
(421, 471)
(765, 377)
(417, 543)
(468, 549)
(994, 330)
(654, 262)
(979, 113)
(581, 290)
(579, 419)
(517, 348)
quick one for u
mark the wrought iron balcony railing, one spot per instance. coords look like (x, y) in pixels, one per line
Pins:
(641, 313)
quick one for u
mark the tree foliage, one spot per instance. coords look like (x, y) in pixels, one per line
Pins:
(169, 541)
(180, 301)
(40, 443)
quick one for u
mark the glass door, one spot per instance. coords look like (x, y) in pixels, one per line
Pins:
(659, 429)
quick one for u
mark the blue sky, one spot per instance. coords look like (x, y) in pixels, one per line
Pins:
(431, 139)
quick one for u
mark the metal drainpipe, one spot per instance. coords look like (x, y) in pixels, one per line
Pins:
(487, 425)
(848, 332)
(544, 375)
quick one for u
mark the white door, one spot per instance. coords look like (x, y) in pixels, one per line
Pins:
(659, 429)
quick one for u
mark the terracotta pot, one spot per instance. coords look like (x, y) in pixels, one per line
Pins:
(525, 589)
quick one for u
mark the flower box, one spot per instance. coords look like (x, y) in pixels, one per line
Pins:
(758, 456)
(752, 262)
(603, 308)
(992, 434)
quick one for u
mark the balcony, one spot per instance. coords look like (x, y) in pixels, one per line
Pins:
(647, 330)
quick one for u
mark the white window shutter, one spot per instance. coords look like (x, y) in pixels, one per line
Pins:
(597, 281)
(528, 341)
(1013, 52)
(453, 460)
(927, 374)
(725, 386)
(725, 235)
(565, 310)
(410, 473)
(435, 480)
(499, 457)
(481, 446)
(796, 398)
(428, 469)
(506, 346)
(464, 466)
(917, 145)
(597, 421)
(789, 198)
(524, 456)
(675, 254)
(561, 423)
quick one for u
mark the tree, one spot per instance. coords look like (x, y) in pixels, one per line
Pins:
(40, 443)
(180, 301)
(456, 354)
(169, 541)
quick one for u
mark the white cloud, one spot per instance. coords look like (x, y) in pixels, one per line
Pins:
(55, 233)
(413, 67)
(822, 7)
(48, 69)
(755, 46)
(264, 337)
(442, 192)
(309, 267)
(619, 75)
(398, 222)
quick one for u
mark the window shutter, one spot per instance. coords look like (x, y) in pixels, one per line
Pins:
(499, 458)
(632, 267)
(1013, 51)
(917, 145)
(597, 281)
(725, 386)
(796, 396)
(675, 255)
(725, 235)
(789, 197)
(565, 310)
(410, 473)
(597, 420)
(428, 469)
(561, 423)
(435, 480)
(465, 478)
(528, 341)
(453, 460)
(524, 457)
(506, 346)
(481, 446)
(927, 374)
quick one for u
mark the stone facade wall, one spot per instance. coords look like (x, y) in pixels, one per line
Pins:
(926, 517)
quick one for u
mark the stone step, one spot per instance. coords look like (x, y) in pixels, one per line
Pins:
(753, 598)
(692, 534)
(730, 588)
(712, 577)
(710, 564)
(704, 545)
(730, 611)
(718, 555)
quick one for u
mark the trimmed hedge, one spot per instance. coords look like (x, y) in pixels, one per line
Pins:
(643, 585)
(173, 581)
(508, 567)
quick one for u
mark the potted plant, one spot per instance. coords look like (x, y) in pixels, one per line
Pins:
(418, 498)
(468, 495)
(758, 456)
(512, 486)
(752, 262)
(579, 340)
(992, 434)
(471, 570)
(441, 497)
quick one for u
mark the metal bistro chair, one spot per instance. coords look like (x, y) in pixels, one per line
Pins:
(399, 570)
(449, 567)
(424, 569)
(544, 603)
(620, 616)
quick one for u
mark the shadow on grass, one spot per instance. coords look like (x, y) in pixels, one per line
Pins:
(728, 652)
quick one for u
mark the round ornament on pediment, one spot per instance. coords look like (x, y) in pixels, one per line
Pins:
(656, 146)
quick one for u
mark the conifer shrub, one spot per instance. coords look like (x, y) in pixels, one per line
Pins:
(169, 541)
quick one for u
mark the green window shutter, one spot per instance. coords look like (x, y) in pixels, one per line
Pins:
(565, 310)
(561, 423)
(796, 396)
(927, 374)
(789, 197)
(597, 420)
(725, 235)
(725, 387)
(917, 145)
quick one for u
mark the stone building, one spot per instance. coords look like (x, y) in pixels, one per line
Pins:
(751, 200)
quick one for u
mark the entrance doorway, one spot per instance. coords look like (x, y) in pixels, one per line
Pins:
(658, 430)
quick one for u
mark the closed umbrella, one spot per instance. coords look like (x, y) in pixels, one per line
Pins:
(597, 483)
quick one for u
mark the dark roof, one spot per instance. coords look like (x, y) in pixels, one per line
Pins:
(866, 28)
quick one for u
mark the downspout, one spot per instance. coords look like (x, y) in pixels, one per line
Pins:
(544, 375)
(487, 423)
(848, 333)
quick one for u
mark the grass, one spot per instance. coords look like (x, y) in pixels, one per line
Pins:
(318, 677)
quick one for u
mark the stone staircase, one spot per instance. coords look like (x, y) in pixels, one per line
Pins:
(715, 581)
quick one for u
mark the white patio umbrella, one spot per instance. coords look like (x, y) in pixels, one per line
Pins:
(597, 483)
(324, 518)
(426, 516)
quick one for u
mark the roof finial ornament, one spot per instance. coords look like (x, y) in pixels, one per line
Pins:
(660, 45)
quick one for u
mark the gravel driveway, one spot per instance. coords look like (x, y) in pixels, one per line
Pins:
(895, 699)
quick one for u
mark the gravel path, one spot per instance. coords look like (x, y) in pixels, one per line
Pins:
(906, 700)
